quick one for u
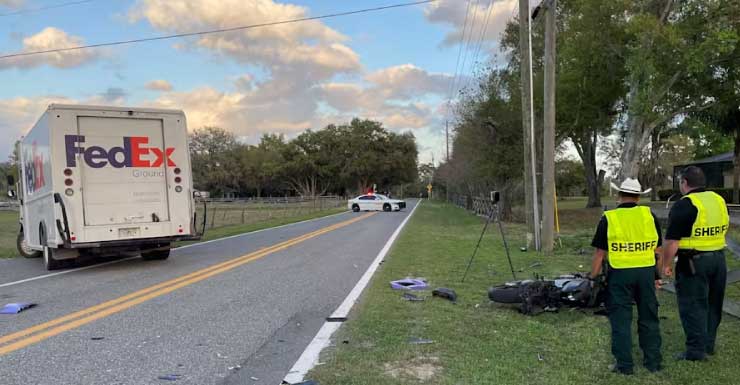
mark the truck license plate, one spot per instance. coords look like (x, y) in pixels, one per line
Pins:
(128, 232)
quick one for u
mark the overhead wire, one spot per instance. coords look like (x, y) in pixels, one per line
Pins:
(475, 64)
(44, 8)
(451, 90)
(470, 40)
(215, 31)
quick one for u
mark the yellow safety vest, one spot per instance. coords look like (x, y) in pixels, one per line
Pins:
(632, 237)
(711, 224)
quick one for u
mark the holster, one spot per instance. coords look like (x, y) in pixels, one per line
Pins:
(685, 262)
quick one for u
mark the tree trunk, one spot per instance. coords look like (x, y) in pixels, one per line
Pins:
(586, 147)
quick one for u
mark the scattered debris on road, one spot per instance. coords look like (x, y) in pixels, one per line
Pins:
(170, 377)
(253, 378)
(97, 338)
(536, 264)
(445, 293)
(409, 283)
(15, 308)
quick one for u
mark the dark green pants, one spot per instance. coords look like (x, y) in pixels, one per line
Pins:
(626, 286)
(700, 298)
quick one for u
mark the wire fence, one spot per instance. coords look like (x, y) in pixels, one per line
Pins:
(228, 212)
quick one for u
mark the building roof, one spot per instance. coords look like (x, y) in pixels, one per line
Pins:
(721, 158)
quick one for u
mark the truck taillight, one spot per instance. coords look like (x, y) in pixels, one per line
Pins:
(178, 179)
(69, 192)
(178, 188)
(68, 182)
(177, 170)
(68, 171)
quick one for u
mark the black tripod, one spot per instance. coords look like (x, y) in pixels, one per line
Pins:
(494, 210)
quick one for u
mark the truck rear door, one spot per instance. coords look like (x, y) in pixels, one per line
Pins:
(124, 170)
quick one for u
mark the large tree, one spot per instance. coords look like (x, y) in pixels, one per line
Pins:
(672, 55)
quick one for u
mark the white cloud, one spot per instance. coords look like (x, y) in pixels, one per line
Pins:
(18, 115)
(159, 85)
(452, 13)
(308, 46)
(51, 38)
(407, 81)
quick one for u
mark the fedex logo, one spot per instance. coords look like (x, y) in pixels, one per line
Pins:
(133, 151)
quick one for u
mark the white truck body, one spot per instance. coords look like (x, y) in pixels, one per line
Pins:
(99, 179)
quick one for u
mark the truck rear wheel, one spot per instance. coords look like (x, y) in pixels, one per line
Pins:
(156, 255)
(49, 262)
(23, 248)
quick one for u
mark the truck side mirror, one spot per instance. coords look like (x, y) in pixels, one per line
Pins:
(11, 180)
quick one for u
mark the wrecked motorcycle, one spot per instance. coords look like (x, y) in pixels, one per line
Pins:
(539, 294)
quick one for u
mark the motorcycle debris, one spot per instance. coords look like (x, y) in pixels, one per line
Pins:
(536, 264)
(170, 377)
(445, 293)
(411, 297)
(409, 284)
(539, 357)
(15, 308)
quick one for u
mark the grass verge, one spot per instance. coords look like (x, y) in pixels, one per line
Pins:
(8, 233)
(477, 342)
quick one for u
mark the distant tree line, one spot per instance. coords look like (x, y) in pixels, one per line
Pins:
(338, 159)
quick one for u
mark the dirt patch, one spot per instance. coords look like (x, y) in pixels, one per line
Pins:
(421, 368)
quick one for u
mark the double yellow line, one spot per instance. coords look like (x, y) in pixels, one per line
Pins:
(38, 333)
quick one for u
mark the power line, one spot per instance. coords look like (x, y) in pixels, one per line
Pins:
(214, 31)
(44, 8)
(470, 38)
(457, 64)
(474, 64)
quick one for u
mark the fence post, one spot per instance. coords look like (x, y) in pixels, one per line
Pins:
(213, 217)
(243, 210)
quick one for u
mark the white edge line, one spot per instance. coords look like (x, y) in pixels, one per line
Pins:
(310, 356)
(178, 248)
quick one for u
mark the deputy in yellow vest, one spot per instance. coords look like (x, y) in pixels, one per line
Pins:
(627, 238)
(697, 225)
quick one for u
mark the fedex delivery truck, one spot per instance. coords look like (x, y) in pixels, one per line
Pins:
(105, 181)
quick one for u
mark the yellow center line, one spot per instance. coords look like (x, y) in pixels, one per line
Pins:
(85, 316)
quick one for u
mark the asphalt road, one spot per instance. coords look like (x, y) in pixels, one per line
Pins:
(224, 312)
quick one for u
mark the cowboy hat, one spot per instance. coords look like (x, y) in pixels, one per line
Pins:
(630, 186)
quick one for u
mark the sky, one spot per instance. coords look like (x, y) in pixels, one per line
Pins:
(396, 66)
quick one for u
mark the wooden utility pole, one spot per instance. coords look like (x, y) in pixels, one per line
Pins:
(526, 124)
(548, 148)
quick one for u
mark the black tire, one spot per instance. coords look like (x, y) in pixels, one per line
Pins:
(356, 208)
(387, 207)
(20, 243)
(49, 262)
(506, 294)
(156, 255)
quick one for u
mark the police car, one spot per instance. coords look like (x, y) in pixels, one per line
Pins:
(375, 202)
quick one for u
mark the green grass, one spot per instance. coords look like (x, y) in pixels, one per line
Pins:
(8, 233)
(477, 342)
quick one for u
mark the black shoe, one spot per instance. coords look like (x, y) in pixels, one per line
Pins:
(626, 371)
(710, 352)
(683, 356)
